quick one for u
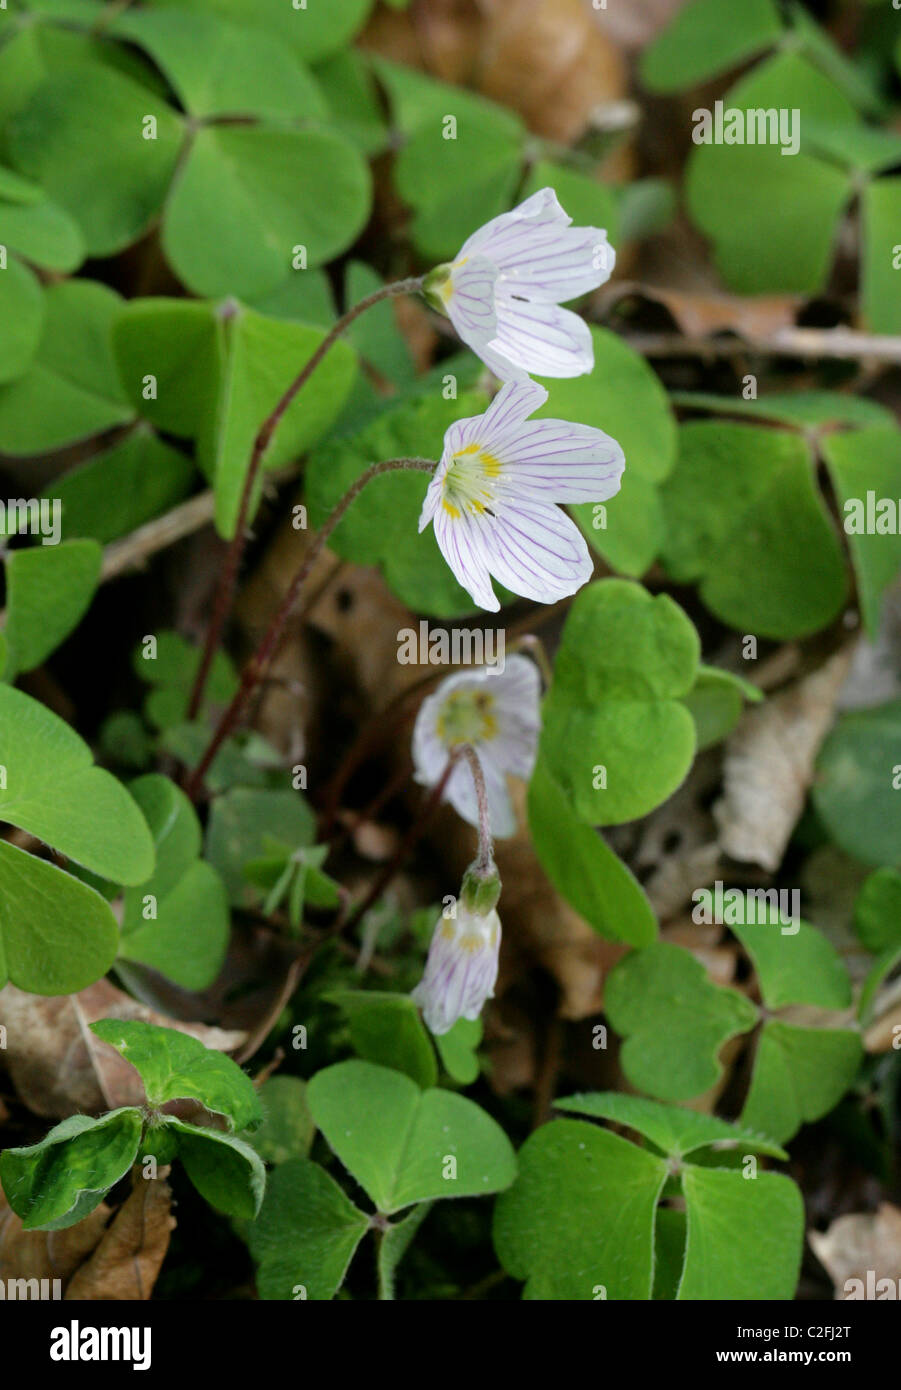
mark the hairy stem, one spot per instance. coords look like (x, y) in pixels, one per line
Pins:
(256, 667)
(485, 861)
(228, 578)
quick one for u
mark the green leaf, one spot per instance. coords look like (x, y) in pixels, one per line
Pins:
(795, 966)
(674, 1021)
(865, 464)
(744, 1238)
(172, 348)
(304, 295)
(122, 488)
(773, 219)
(707, 38)
(858, 782)
(175, 1066)
(803, 409)
(55, 1183)
(22, 311)
(676, 1132)
(239, 823)
(382, 526)
(387, 1029)
(398, 1141)
(744, 519)
(881, 208)
(313, 32)
(616, 736)
(53, 790)
(56, 935)
(219, 69)
(226, 1171)
(346, 83)
(305, 1235)
(582, 868)
(71, 390)
(81, 137)
(248, 195)
(455, 182)
(458, 1050)
(580, 1215)
(376, 335)
(623, 396)
(877, 911)
(716, 701)
(171, 672)
(40, 231)
(187, 937)
(261, 358)
(800, 1074)
(287, 1129)
(49, 589)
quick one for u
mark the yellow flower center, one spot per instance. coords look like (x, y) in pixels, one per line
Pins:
(467, 716)
(467, 483)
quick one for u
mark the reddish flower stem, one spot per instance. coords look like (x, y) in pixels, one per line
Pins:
(256, 667)
(228, 578)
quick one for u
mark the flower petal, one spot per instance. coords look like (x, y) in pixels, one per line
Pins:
(536, 550)
(470, 300)
(556, 461)
(539, 338)
(540, 209)
(461, 542)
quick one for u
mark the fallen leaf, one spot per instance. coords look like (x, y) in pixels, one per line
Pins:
(769, 765)
(860, 1243)
(126, 1263)
(47, 1254)
(60, 1068)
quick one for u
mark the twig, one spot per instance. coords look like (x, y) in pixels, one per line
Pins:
(812, 344)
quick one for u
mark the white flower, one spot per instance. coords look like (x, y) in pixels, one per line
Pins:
(503, 292)
(461, 969)
(492, 497)
(497, 713)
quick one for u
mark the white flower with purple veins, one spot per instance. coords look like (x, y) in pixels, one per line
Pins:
(492, 497)
(496, 713)
(461, 970)
(504, 290)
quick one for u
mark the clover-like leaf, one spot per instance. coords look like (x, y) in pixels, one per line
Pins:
(676, 1132)
(584, 869)
(71, 389)
(57, 1182)
(722, 1210)
(578, 1223)
(175, 1066)
(49, 589)
(305, 1235)
(404, 1145)
(56, 934)
(177, 921)
(674, 1021)
(226, 1171)
(616, 735)
(52, 789)
(858, 781)
(865, 467)
(388, 1029)
(122, 488)
(745, 520)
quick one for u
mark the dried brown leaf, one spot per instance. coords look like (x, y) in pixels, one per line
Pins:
(126, 1263)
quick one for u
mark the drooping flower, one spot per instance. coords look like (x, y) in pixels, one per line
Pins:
(492, 497)
(503, 291)
(494, 711)
(461, 969)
